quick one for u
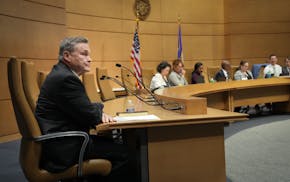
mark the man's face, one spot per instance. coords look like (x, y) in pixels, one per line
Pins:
(79, 60)
(287, 63)
(273, 60)
(200, 69)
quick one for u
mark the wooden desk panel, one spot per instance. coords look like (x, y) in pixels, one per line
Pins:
(227, 95)
(177, 147)
(187, 153)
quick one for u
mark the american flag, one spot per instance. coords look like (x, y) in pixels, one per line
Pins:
(135, 57)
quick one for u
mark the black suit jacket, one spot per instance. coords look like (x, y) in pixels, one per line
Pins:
(63, 105)
(220, 76)
(285, 71)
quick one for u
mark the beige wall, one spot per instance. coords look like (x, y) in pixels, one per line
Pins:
(256, 28)
(30, 30)
(212, 30)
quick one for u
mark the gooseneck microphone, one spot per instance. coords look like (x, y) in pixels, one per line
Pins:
(103, 77)
(140, 81)
(175, 106)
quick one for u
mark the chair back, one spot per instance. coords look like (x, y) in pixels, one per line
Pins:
(41, 76)
(29, 82)
(128, 80)
(188, 73)
(26, 121)
(147, 75)
(233, 71)
(105, 87)
(30, 152)
(261, 72)
(211, 72)
(89, 82)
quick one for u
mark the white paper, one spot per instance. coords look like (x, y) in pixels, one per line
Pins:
(136, 118)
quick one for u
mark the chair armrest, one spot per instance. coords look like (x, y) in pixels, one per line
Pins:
(69, 134)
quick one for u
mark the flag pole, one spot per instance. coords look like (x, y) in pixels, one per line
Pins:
(179, 49)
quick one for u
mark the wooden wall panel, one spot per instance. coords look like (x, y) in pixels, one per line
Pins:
(8, 124)
(31, 30)
(4, 94)
(254, 29)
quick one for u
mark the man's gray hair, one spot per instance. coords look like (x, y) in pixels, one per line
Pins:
(68, 44)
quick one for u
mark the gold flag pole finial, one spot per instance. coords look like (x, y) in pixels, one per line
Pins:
(137, 19)
(137, 16)
(178, 19)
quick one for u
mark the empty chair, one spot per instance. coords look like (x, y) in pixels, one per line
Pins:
(30, 85)
(147, 75)
(105, 87)
(211, 71)
(188, 73)
(128, 80)
(30, 149)
(233, 70)
(89, 82)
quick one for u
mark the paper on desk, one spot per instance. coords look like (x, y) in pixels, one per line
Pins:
(137, 118)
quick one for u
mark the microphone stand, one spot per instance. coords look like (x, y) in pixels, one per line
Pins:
(124, 86)
(154, 97)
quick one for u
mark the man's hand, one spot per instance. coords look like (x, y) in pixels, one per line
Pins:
(107, 118)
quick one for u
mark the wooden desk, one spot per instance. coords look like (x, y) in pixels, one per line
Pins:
(227, 95)
(178, 147)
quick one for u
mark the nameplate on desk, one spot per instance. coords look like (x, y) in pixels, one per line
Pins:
(149, 117)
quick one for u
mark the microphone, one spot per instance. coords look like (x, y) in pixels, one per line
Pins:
(140, 81)
(153, 96)
(103, 77)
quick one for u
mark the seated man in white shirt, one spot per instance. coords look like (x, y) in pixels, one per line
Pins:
(273, 69)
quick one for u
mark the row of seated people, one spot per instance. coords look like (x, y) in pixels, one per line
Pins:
(165, 77)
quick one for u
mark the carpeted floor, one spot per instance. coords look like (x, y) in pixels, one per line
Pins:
(259, 153)
(257, 150)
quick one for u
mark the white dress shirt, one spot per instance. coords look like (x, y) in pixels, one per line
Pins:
(158, 81)
(226, 74)
(273, 69)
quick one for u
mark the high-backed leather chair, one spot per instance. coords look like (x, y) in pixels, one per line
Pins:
(30, 149)
(105, 87)
(188, 73)
(211, 71)
(91, 88)
(30, 85)
(147, 75)
(233, 71)
(128, 80)
(41, 76)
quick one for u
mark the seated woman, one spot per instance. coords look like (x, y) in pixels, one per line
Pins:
(196, 76)
(176, 77)
(243, 72)
(159, 80)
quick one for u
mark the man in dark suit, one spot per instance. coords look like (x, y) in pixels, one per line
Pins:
(63, 105)
(286, 68)
(224, 73)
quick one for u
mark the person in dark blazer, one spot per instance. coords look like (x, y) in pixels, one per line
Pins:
(286, 68)
(224, 73)
(63, 105)
(196, 76)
